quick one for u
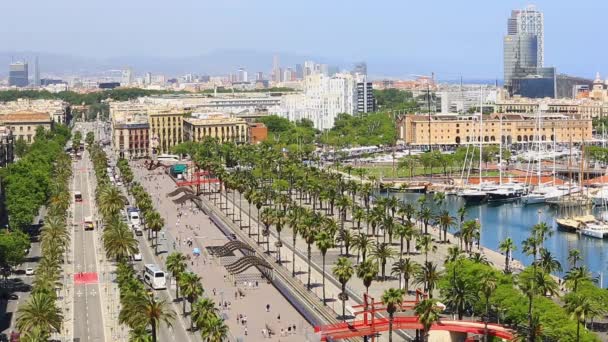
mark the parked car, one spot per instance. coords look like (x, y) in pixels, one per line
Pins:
(137, 256)
(29, 271)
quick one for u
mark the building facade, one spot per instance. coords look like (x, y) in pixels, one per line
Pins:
(131, 139)
(579, 108)
(6, 146)
(366, 102)
(258, 132)
(166, 130)
(529, 21)
(323, 98)
(221, 126)
(23, 125)
(18, 75)
(454, 129)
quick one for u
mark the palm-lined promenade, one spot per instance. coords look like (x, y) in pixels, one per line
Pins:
(315, 203)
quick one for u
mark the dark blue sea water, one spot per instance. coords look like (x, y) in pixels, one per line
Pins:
(513, 219)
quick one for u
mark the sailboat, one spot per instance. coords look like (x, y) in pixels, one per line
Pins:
(478, 194)
(504, 191)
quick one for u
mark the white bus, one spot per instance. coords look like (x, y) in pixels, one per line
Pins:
(155, 277)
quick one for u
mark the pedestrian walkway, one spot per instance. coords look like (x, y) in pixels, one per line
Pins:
(250, 306)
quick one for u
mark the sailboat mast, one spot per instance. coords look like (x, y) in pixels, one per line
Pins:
(554, 153)
(500, 154)
(480, 130)
(540, 159)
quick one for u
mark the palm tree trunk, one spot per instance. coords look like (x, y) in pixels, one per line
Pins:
(309, 251)
(401, 249)
(240, 211)
(406, 283)
(390, 328)
(293, 255)
(507, 261)
(249, 214)
(176, 289)
(578, 330)
(153, 324)
(279, 244)
(343, 302)
(184, 306)
(324, 302)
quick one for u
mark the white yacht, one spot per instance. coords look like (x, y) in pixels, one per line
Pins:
(507, 191)
(549, 193)
(596, 229)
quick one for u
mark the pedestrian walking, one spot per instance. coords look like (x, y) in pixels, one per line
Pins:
(267, 307)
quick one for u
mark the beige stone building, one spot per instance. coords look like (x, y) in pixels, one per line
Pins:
(580, 108)
(23, 124)
(216, 125)
(166, 130)
(452, 129)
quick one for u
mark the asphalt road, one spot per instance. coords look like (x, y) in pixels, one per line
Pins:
(87, 312)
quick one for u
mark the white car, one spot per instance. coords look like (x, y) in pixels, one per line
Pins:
(137, 256)
(29, 271)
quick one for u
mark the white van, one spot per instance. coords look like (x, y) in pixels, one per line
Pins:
(134, 218)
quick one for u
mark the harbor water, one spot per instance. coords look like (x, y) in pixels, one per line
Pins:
(500, 220)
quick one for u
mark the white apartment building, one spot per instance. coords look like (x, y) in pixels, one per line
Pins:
(323, 98)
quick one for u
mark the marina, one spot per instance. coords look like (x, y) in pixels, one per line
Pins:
(500, 220)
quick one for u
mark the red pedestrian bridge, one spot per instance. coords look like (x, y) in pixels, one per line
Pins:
(370, 324)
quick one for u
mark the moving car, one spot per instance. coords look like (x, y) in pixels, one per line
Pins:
(137, 256)
(88, 223)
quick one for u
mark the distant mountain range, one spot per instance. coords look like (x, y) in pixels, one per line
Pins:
(221, 62)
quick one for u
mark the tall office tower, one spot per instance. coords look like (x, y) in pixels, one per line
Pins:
(259, 76)
(148, 78)
(309, 68)
(18, 74)
(276, 69)
(242, 75)
(36, 73)
(299, 71)
(360, 68)
(520, 56)
(289, 75)
(366, 102)
(529, 21)
(127, 77)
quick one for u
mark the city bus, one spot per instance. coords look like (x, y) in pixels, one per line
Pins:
(168, 158)
(154, 277)
(77, 196)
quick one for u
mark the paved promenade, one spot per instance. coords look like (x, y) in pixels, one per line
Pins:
(244, 300)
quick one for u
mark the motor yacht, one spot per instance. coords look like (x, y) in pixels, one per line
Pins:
(507, 191)
(597, 229)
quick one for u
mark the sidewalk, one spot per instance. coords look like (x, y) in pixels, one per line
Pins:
(197, 226)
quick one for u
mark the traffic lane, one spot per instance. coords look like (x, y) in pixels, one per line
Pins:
(178, 333)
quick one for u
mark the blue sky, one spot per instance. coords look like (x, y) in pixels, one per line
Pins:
(449, 37)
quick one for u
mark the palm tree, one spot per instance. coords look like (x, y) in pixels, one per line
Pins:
(363, 244)
(424, 243)
(548, 263)
(34, 335)
(392, 298)
(176, 264)
(155, 223)
(425, 215)
(268, 218)
(574, 256)
(479, 258)
(294, 219)
(545, 284)
(460, 296)
(202, 310)
(190, 283)
(486, 288)
(39, 312)
(110, 201)
(358, 216)
(542, 231)
(580, 308)
(214, 329)
(445, 221)
(428, 313)
(382, 253)
(454, 254)
(308, 231)
(428, 276)
(324, 242)
(156, 311)
(405, 268)
(507, 246)
(343, 271)
(576, 276)
(119, 241)
(347, 238)
(367, 271)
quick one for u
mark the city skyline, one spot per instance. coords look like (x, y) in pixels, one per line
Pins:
(460, 42)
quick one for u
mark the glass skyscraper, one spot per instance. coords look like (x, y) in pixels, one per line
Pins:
(18, 74)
